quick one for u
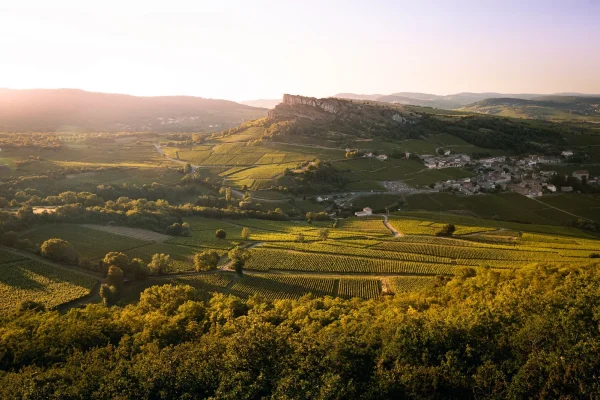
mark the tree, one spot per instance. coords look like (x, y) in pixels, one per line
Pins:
(139, 269)
(59, 250)
(108, 294)
(117, 259)
(447, 230)
(186, 230)
(115, 277)
(187, 168)
(175, 229)
(245, 233)
(300, 237)
(228, 194)
(221, 234)
(160, 264)
(238, 257)
(323, 234)
(206, 260)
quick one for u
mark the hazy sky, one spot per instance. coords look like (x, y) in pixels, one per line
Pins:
(251, 49)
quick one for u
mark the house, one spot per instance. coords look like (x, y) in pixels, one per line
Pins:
(382, 157)
(551, 188)
(549, 160)
(369, 154)
(447, 152)
(517, 188)
(319, 199)
(566, 189)
(364, 213)
(581, 174)
(566, 153)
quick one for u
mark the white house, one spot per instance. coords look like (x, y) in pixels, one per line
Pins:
(382, 157)
(364, 213)
(551, 188)
(581, 174)
(566, 189)
(566, 153)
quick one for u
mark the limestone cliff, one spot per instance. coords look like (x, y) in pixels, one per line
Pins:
(300, 115)
(310, 107)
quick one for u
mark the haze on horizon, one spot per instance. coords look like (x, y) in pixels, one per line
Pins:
(240, 50)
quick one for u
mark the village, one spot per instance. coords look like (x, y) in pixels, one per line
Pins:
(531, 175)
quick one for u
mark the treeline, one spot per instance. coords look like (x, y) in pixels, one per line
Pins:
(526, 333)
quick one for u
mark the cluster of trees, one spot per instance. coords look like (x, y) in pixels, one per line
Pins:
(447, 230)
(578, 185)
(317, 177)
(178, 229)
(526, 333)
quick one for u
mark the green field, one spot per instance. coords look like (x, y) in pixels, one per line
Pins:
(510, 207)
(89, 243)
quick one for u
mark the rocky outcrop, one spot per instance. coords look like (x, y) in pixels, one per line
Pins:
(328, 105)
(341, 107)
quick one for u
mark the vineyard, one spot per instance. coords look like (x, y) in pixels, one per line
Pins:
(290, 259)
(278, 286)
(359, 287)
(266, 259)
(31, 280)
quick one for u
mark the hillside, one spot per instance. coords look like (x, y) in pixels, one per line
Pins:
(555, 107)
(68, 109)
(263, 103)
(342, 123)
(450, 101)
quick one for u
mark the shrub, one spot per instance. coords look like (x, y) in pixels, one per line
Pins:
(245, 233)
(221, 234)
(174, 230)
(206, 260)
(447, 230)
(30, 305)
(160, 264)
(59, 250)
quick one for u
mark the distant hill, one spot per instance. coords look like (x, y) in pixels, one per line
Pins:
(70, 109)
(345, 123)
(451, 101)
(263, 103)
(553, 107)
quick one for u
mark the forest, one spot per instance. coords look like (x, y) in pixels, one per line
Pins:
(527, 333)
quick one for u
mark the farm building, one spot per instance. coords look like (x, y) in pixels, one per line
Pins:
(364, 213)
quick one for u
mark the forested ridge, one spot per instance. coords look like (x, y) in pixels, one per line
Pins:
(527, 333)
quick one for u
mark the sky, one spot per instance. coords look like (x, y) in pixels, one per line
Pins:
(243, 50)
